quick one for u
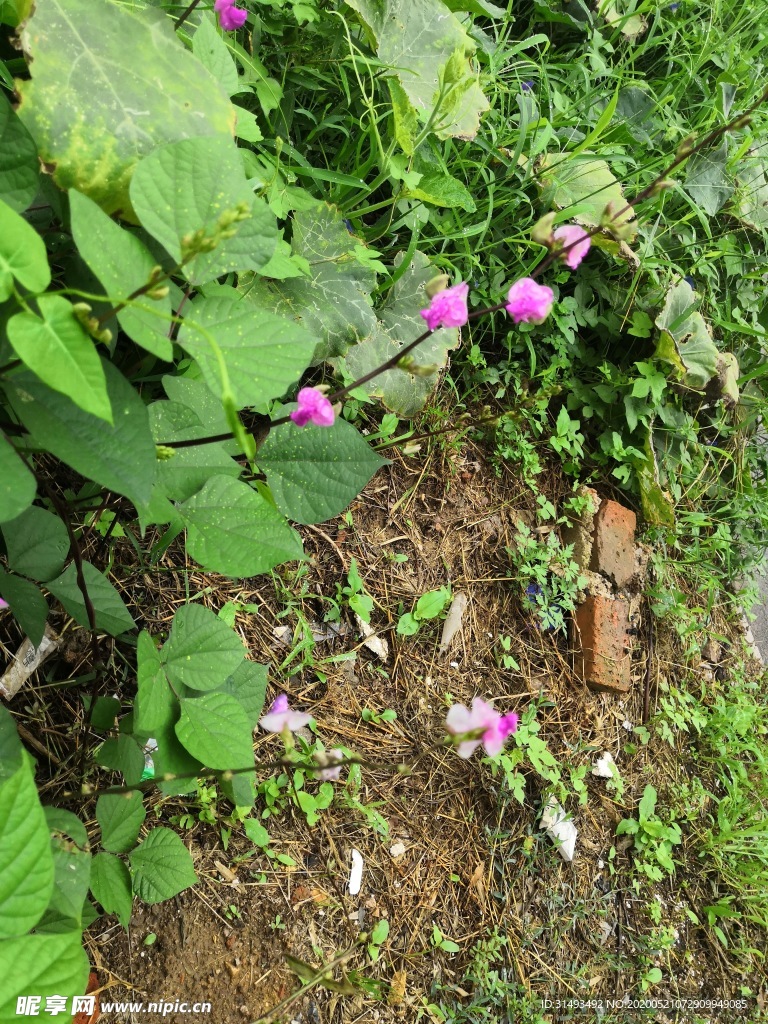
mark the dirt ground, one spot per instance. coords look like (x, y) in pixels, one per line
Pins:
(443, 842)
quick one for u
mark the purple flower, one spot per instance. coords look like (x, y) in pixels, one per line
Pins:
(533, 590)
(578, 240)
(330, 764)
(314, 407)
(230, 17)
(484, 724)
(3, 604)
(526, 86)
(529, 302)
(448, 308)
(280, 717)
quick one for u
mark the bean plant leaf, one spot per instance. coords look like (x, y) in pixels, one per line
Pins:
(119, 456)
(154, 709)
(60, 820)
(233, 530)
(111, 614)
(27, 604)
(215, 729)
(264, 354)
(187, 471)
(172, 758)
(17, 484)
(399, 324)
(36, 543)
(71, 878)
(26, 861)
(707, 180)
(109, 85)
(122, 754)
(13, 12)
(57, 349)
(750, 204)
(22, 255)
(441, 189)
(186, 187)
(45, 965)
(684, 327)
(315, 472)
(19, 166)
(122, 264)
(120, 817)
(201, 650)
(587, 185)
(429, 51)
(213, 53)
(11, 750)
(111, 886)
(161, 866)
(248, 684)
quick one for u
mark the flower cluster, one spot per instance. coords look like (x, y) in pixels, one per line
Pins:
(230, 17)
(482, 724)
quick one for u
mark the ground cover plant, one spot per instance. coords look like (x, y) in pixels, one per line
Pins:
(223, 232)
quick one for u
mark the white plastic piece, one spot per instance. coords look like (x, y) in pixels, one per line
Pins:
(374, 643)
(397, 850)
(356, 873)
(605, 766)
(452, 623)
(559, 829)
(28, 659)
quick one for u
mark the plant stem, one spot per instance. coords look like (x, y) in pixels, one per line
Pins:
(185, 14)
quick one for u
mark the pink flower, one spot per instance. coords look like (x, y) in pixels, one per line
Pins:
(327, 760)
(280, 717)
(314, 407)
(492, 727)
(578, 239)
(448, 308)
(230, 17)
(529, 302)
(3, 604)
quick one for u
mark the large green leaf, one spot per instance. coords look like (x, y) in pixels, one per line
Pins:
(120, 817)
(215, 729)
(27, 604)
(122, 754)
(19, 166)
(111, 614)
(399, 324)
(201, 650)
(315, 472)
(26, 862)
(11, 750)
(248, 683)
(707, 180)
(188, 468)
(36, 543)
(122, 264)
(334, 303)
(587, 185)
(213, 53)
(162, 867)
(71, 879)
(185, 187)
(41, 965)
(155, 707)
(22, 255)
(264, 354)
(17, 485)
(684, 327)
(66, 822)
(233, 530)
(429, 51)
(108, 86)
(57, 349)
(172, 758)
(119, 456)
(111, 886)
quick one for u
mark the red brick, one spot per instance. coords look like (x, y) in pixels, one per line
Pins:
(601, 647)
(613, 552)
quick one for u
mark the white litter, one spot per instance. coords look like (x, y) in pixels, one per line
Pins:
(374, 643)
(397, 850)
(605, 766)
(559, 829)
(627, 725)
(28, 659)
(356, 873)
(452, 624)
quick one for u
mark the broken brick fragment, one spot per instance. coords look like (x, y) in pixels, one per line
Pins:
(601, 645)
(613, 551)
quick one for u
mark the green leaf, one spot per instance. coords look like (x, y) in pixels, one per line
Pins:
(111, 614)
(121, 457)
(707, 180)
(185, 187)
(17, 484)
(202, 650)
(408, 625)
(120, 817)
(105, 711)
(315, 472)
(109, 85)
(432, 603)
(162, 867)
(441, 189)
(57, 349)
(188, 469)
(430, 53)
(43, 965)
(690, 334)
(22, 255)
(256, 832)
(13, 12)
(122, 754)
(399, 324)
(233, 530)
(586, 185)
(27, 604)
(11, 750)
(111, 886)
(239, 789)
(122, 264)
(647, 804)
(215, 729)
(750, 203)
(37, 544)
(60, 820)
(72, 873)
(155, 707)
(264, 354)
(19, 166)
(26, 861)
(171, 757)
(213, 53)
(248, 684)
